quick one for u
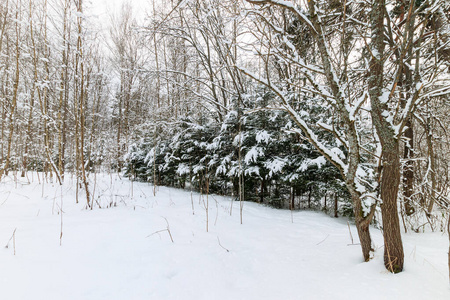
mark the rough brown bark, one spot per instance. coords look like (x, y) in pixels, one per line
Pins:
(364, 238)
(390, 174)
(362, 223)
(393, 247)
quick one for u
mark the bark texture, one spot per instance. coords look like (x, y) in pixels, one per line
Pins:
(390, 174)
(393, 247)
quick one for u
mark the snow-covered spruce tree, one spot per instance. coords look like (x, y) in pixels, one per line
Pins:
(190, 148)
(224, 164)
(136, 167)
(274, 158)
(258, 145)
(306, 170)
(266, 148)
(148, 159)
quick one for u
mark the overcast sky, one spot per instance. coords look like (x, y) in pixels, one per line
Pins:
(104, 7)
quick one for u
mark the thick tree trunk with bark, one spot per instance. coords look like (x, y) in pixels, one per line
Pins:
(362, 223)
(364, 238)
(390, 174)
(393, 247)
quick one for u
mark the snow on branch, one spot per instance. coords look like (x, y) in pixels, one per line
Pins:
(288, 5)
(304, 127)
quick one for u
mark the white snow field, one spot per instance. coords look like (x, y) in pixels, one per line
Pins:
(114, 252)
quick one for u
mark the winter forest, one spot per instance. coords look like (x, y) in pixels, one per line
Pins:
(225, 149)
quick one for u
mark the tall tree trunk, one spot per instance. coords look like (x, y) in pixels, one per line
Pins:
(431, 166)
(29, 134)
(158, 75)
(62, 94)
(336, 206)
(406, 86)
(390, 174)
(2, 34)
(82, 109)
(408, 169)
(309, 197)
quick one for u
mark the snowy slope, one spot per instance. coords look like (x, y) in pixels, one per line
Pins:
(112, 253)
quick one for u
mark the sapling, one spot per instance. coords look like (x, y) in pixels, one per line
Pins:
(217, 211)
(192, 203)
(207, 202)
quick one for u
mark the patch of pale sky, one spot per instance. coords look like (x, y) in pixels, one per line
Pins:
(104, 8)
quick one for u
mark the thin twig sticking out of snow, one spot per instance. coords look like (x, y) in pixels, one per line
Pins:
(322, 240)
(351, 236)
(221, 244)
(13, 237)
(62, 212)
(167, 229)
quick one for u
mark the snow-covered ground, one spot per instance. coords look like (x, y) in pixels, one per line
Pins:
(125, 251)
